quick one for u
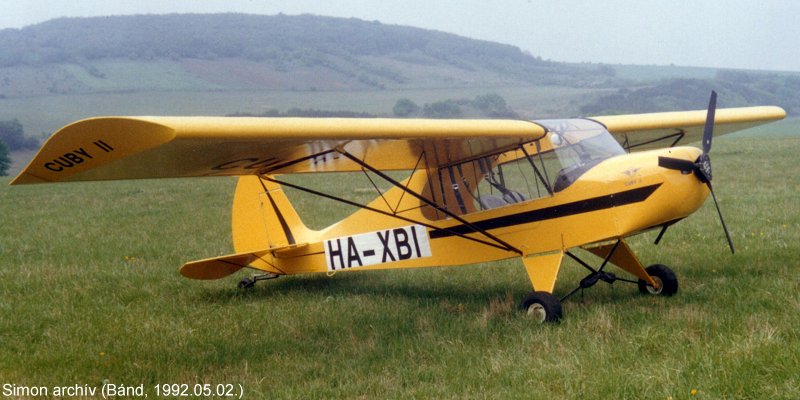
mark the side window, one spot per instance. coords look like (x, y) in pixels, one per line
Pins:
(508, 182)
(496, 181)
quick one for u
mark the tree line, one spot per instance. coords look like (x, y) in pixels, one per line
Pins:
(490, 105)
(736, 89)
(12, 138)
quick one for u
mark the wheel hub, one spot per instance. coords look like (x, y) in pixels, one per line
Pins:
(537, 312)
(655, 289)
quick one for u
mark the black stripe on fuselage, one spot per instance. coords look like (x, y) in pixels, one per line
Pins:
(563, 210)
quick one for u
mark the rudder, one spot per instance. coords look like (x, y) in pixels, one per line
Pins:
(264, 217)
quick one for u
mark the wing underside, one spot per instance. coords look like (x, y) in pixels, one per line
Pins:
(657, 130)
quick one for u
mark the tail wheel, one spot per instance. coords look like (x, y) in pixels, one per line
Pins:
(664, 277)
(246, 283)
(541, 307)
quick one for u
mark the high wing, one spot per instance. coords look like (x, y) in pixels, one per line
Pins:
(656, 130)
(109, 148)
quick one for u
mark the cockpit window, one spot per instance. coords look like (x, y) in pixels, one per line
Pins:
(532, 170)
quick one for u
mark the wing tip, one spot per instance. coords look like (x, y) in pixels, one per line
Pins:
(25, 178)
(777, 112)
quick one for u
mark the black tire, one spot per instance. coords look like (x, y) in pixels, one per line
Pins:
(246, 283)
(662, 274)
(542, 307)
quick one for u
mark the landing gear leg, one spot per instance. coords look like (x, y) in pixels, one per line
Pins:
(620, 255)
(540, 305)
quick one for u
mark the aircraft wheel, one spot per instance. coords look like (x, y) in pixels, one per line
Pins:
(663, 275)
(246, 283)
(541, 307)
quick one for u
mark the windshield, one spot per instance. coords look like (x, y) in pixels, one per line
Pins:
(578, 145)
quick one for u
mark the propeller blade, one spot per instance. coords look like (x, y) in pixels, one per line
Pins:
(676, 163)
(724, 227)
(708, 133)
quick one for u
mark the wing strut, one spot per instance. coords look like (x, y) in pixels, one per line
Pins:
(502, 244)
(375, 210)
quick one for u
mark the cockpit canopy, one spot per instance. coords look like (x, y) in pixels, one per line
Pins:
(539, 168)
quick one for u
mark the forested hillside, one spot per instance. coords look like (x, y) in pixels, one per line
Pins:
(224, 51)
(282, 40)
(237, 52)
(737, 89)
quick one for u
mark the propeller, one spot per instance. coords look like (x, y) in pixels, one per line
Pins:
(702, 166)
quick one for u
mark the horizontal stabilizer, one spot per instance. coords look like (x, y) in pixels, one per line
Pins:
(219, 267)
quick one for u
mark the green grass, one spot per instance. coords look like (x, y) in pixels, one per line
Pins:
(90, 292)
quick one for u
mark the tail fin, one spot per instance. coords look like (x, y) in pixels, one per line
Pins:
(263, 217)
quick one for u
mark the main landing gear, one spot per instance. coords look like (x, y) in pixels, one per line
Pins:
(664, 277)
(248, 283)
(542, 306)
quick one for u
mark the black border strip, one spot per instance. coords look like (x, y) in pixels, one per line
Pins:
(563, 210)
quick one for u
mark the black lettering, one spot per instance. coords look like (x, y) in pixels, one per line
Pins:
(335, 253)
(53, 167)
(64, 162)
(403, 248)
(103, 146)
(82, 152)
(263, 163)
(320, 158)
(234, 164)
(352, 253)
(387, 251)
(74, 158)
(416, 241)
(368, 253)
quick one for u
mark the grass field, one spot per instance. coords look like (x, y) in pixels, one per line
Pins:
(91, 293)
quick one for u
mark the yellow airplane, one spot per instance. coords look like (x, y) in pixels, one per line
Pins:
(476, 191)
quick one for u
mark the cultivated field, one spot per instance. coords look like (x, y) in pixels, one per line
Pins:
(91, 293)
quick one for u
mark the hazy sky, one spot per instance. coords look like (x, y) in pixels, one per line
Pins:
(752, 34)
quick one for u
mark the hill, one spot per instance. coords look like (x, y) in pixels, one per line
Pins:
(236, 51)
(738, 89)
